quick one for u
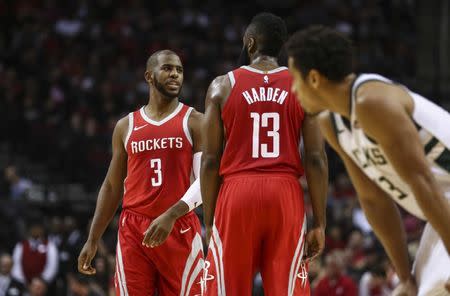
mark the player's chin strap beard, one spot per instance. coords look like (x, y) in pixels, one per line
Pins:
(159, 86)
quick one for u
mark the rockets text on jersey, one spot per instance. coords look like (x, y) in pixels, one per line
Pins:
(159, 161)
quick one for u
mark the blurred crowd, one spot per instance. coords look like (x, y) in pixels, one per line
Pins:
(69, 70)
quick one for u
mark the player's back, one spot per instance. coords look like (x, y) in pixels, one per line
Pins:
(262, 122)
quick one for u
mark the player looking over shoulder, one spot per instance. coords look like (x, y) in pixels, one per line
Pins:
(155, 150)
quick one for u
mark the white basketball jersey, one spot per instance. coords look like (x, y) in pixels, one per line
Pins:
(433, 124)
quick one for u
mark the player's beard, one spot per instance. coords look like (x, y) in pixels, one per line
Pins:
(244, 58)
(160, 87)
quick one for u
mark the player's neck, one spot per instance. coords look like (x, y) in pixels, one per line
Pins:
(158, 107)
(339, 96)
(264, 62)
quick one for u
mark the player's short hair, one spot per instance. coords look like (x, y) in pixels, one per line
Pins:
(269, 31)
(153, 59)
(323, 49)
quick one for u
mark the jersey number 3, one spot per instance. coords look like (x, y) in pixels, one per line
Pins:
(155, 164)
(260, 121)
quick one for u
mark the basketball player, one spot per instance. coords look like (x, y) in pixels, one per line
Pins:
(253, 128)
(156, 148)
(394, 144)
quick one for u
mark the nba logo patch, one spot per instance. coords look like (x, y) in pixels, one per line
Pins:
(266, 79)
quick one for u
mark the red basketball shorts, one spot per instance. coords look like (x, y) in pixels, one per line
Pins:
(173, 268)
(259, 225)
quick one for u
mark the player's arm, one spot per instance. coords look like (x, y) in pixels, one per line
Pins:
(379, 208)
(161, 227)
(316, 171)
(108, 199)
(404, 150)
(213, 139)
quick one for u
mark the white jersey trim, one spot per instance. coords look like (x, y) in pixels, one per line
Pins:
(196, 250)
(130, 128)
(120, 269)
(251, 69)
(297, 260)
(186, 126)
(164, 120)
(232, 79)
(218, 241)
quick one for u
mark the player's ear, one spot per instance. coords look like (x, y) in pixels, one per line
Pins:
(148, 76)
(251, 46)
(314, 78)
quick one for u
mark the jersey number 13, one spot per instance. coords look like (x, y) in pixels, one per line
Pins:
(262, 121)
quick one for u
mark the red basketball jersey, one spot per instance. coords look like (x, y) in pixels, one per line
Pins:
(159, 161)
(262, 121)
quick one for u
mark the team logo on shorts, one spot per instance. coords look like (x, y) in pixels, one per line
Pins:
(206, 276)
(303, 274)
(194, 266)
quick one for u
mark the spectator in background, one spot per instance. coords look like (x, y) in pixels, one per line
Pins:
(103, 277)
(374, 281)
(35, 257)
(8, 285)
(19, 186)
(37, 287)
(80, 285)
(335, 282)
(356, 252)
(334, 238)
(360, 220)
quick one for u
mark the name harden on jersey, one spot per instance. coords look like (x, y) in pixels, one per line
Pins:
(265, 94)
(156, 144)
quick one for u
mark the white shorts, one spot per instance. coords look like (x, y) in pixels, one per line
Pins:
(432, 265)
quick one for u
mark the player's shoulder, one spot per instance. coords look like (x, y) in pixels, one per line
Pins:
(375, 101)
(196, 115)
(122, 125)
(123, 121)
(195, 118)
(378, 93)
(219, 89)
(221, 81)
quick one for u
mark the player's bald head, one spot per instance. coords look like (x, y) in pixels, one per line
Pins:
(152, 61)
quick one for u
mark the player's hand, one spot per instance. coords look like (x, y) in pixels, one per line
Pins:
(158, 231)
(447, 285)
(315, 243)
(85, 258)
(407, 288)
